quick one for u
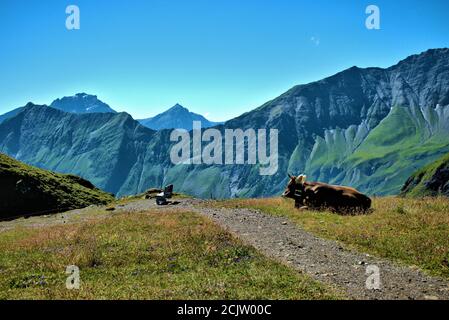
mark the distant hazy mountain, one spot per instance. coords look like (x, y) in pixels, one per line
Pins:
(369, 128)
(82, 103)
(79, 103)
(10, 114)
(177, 117)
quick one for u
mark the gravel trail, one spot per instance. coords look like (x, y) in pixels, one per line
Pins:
(324, 260)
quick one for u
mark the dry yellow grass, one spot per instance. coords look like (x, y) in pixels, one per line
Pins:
(411, 231)
(150, 255)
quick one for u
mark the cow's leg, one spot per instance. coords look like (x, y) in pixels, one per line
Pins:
(297, 203)
(300, 205)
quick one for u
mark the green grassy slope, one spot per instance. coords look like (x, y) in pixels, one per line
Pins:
(431, 180)
(26, 190)
(402, 142)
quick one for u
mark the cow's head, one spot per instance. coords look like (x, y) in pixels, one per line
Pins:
(295, 186)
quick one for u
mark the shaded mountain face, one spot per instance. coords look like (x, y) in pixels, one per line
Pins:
(367, 128)
(82, 103)
(177, 117)
(432, 180)
(10, 114)
(28, 190)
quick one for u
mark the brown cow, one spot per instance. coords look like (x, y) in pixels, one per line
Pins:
(317, 195)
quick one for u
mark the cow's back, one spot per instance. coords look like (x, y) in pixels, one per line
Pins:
(340, 198)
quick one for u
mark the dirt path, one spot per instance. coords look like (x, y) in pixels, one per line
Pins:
(324, 260)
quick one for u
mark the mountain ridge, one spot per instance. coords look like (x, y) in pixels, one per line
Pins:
(79, 103)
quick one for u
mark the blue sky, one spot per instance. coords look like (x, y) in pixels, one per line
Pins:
(216, 57)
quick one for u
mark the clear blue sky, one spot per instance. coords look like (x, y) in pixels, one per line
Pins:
(216, 57)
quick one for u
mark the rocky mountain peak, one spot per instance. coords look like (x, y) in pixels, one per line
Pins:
(82, 103)
(178, 107)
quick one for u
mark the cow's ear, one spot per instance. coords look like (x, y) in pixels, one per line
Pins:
(290, 176)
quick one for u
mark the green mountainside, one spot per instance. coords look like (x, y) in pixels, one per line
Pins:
(405, 140)
(431, 180)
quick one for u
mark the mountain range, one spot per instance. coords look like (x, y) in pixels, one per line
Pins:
(79, 103)
(177, 117)
(369, 128)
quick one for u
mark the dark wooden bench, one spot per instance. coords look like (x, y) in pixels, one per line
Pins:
(161, 198)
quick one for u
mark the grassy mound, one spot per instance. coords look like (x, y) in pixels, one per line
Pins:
(432, 180)
(26, 190)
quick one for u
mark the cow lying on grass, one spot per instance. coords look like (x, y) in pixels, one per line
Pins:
(317, 195)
